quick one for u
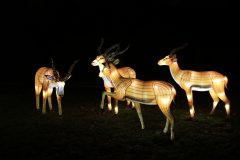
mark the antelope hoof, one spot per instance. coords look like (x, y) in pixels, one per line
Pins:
(172, 137)
(211, 113)
(189, 118)
(116, 111)
(165, 130)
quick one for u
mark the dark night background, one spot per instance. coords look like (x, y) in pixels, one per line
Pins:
(35, 31)
(66, 30)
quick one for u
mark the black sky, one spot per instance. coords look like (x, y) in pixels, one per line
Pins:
(35, 31)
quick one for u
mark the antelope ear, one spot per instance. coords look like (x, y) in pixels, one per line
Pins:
(174, 58)
(172, 55)
(49, 77)
(116, 61)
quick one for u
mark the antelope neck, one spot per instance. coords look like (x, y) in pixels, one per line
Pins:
(175, 71)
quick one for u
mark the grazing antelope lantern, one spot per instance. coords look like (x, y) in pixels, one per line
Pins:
(140, 92)
(125, 72)
(189, 80)
(46, 79)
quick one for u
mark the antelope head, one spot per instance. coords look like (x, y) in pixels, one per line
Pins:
(102, 60)
(57, 81)
(169, 59)
(109, 55)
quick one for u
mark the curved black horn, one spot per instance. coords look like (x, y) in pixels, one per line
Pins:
(121, 52)
(111, 56)
(55, 74)
(111, 48)
(177, 49)
(69, 73)
(100, 46)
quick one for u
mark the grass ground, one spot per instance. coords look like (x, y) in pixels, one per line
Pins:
(83, 132)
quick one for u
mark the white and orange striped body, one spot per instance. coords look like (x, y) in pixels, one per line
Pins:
(125, 72)
(142, 92)
(46, 85)
(189, 80)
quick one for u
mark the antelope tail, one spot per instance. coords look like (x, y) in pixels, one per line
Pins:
(174, 95)
(225, 81)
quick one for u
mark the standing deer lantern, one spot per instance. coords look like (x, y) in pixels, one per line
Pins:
(125, 72)
(140, 92)
(45, 80)
(189, 81)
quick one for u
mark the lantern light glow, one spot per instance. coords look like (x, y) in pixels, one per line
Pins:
(126, 72)
(159, 93)
(189, 80)
(45, 80)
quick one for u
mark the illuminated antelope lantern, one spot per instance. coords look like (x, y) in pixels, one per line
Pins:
(46, 79)
(125, 72)
(188, 80)
(140, 92)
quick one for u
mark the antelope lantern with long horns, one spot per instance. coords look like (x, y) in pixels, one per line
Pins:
(140, 92)
(126, 72)
(45, 80)
(189, 81)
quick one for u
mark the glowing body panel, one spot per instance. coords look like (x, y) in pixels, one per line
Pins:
(145, 92)
(189, 80)
(126, 72)
(45, 80)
